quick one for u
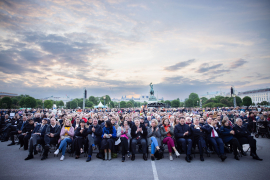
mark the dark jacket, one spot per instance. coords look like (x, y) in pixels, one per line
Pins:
(98, 130)
(28, 128)
(241, 132)
(43, 130)
(226, 135)
(134, 129)
(57, 131)
(208, 130)
(196, 133)
(179, 131)
(79, 134)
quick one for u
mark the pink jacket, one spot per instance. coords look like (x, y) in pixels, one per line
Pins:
(70, 133)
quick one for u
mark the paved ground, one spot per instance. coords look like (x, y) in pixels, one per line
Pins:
(13, 166)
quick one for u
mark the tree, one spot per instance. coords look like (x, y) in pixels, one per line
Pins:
(111, 105)
(89, 104)
(238, 101)
(93, 100)
(218, 98)
(168, 102)
(48, 104)
(189, 103)
(122, 104)
(129, 104)
(22, 102)
(30, 102)
(73, 104)
(226, 102)
(39, 103)
(6, 102)
(211, 100)
(204, 99)
(193, 96)
(61, 103)
(247, 101)
(175, 103)
(264, 103)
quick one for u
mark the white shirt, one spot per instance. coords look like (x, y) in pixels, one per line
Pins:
(215, 132)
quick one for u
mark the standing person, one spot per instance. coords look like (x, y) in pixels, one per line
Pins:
(123, 133)
(182, 135)
(79, 141)
(167, 132)
(94, 137)
(107, 143)
(51, 137)
(138, 134)
(37, 137)
(66, 137)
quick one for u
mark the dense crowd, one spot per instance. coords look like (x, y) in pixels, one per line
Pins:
(123, 131)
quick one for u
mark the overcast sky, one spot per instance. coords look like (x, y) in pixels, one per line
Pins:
(118, 47)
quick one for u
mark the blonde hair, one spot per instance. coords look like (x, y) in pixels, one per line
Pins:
(64, 123)
(156, 122)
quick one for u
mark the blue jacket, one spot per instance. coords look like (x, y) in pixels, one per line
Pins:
(113, 133)
(43, 130)
(179, 131)
(225, 132)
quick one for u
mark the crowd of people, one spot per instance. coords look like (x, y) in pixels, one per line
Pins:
(123, 131)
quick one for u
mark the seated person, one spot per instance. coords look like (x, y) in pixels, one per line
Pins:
(6, 125)
(228, 133)
(182, 136)
(123, 133)
(94, 137)
(66, 137)
(198, 136)
(167, 132)
(138, 134)
(76, 123)
(252, 122)
(213, 132)
(244, 137)
(153, 135)
(13, 130)
(51, 137)
(107, 142)
(37, 137)
(80, 136)
(26, 133)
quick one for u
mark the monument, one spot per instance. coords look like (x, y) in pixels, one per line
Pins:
(152, 97)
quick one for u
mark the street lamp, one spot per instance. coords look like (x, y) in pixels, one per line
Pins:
(104, 97)
(110, 105)
(201, 103)
(197, 103)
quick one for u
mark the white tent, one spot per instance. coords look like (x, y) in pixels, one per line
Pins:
(100, 105)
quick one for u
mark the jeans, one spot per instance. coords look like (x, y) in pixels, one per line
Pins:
(63, 145)
(218, 145)
(141, 141)
(169, 142)
(186, 145)
(154, 144)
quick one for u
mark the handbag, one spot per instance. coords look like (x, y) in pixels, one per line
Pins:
(64, 137)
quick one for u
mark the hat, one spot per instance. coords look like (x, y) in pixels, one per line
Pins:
(45, 119)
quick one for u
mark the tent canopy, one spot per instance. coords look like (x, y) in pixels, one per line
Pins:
(100, 105)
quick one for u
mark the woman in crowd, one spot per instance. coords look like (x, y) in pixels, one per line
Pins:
(166, 131)
(79, 141)
(66, 136)
(76, 124)
(228, 138)
(108, 136)
(154, 138)
(176, 121)
(123, 133)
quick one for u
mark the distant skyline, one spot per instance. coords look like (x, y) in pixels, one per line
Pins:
(118, 47)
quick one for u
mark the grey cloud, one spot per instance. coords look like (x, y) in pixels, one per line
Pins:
(179, 65)
(238, 63)
(205, 67)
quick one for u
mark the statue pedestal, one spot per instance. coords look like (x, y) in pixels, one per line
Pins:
(153, 99)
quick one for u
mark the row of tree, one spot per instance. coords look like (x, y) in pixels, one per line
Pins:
(26, 101)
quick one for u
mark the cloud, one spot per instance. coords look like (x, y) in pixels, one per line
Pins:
(179, 65)
(205, 67)
(238, 63)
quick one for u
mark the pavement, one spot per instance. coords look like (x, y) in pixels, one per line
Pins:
(13, 166)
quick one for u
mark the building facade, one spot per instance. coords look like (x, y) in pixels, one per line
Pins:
(5, 94)
(257, 95)
(141, 99)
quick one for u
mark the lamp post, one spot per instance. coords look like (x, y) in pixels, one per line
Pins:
(234, 100)
(104, 97)
(197, 103)
(201, 103)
